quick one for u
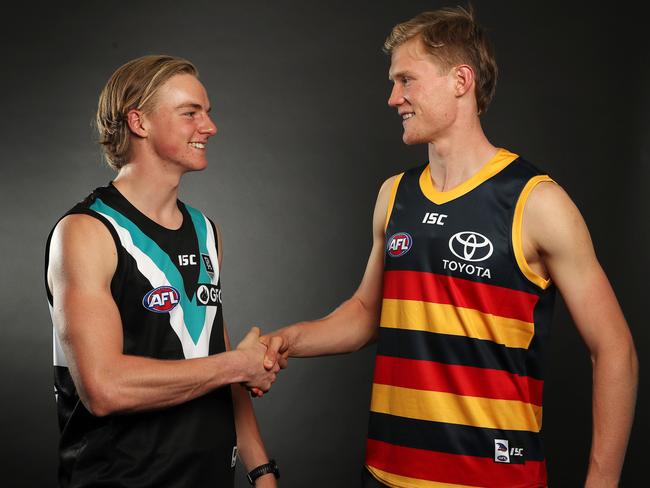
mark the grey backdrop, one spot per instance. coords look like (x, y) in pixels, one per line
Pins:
(305, 139)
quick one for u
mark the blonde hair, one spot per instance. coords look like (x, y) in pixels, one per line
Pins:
(452, 36)
(132, 86)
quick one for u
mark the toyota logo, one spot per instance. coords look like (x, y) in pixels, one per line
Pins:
(470, 246)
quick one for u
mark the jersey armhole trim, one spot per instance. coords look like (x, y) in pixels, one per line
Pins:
(517, 226)
(391, 200)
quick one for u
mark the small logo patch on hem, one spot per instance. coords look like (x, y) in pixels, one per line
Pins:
(233, 459)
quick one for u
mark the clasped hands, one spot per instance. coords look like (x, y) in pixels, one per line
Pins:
(264, 357)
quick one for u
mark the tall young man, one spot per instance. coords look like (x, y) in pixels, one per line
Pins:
(468, 252)
(148, 390)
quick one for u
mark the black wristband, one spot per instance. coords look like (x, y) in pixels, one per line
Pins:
(263, 469)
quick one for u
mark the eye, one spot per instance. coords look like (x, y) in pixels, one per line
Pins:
(405, 80)
(190, 114)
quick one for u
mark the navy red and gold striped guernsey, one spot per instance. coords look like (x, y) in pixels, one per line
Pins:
(457, 389)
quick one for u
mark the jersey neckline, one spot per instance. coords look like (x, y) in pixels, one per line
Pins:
(143, 218)
(501, 159)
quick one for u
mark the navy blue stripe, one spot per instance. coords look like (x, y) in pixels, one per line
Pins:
(452, 438)
(451, 349)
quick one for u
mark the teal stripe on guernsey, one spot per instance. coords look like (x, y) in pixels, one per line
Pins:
(201, 233)
(194, 315)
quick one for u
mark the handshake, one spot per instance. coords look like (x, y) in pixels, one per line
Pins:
(263, 358)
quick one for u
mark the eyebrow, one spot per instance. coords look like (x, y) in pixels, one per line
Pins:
(397, 74)
(196, 106)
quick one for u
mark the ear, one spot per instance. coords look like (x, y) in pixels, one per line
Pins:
(464, 75)
(135, 119)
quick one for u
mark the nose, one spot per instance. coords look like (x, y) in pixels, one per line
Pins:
(208, 127)
(396, 97)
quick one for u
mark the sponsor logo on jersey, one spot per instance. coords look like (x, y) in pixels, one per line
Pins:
(399, 244)
(162, 299)
(470, 246)
(470, 269)
(208, 295)
(208, 265)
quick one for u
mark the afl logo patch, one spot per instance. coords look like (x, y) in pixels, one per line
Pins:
(162, 299)
(470, 246)
(399, 244)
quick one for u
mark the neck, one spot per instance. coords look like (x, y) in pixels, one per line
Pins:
(459, 154)
(154, 193)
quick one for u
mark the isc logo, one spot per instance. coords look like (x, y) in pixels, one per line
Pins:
(185, 259)
(399, 244)
(162, 299)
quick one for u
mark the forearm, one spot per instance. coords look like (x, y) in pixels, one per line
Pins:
(348, 328)
(132, 383)
(249, 441)
(614, 397)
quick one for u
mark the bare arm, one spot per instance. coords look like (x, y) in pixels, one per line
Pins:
(354, 323)
(82, 262)
(558, 243)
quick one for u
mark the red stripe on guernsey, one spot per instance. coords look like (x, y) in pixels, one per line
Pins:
(460, 380)
(452, 468)
(435, 288)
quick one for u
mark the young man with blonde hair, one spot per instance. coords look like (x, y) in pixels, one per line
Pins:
(458, 291)
(148, 391)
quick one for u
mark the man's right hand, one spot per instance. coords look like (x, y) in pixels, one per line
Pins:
(277, 350)
(259, 377)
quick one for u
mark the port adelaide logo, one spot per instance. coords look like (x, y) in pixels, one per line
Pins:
(162, 299)
(208, 265)
(399, 244)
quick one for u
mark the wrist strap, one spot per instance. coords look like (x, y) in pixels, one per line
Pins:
(270, 467)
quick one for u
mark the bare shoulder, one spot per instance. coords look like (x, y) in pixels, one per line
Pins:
(387, 186)
(552, 220)
(81, 247)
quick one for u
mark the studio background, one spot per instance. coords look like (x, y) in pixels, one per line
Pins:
(305, 139)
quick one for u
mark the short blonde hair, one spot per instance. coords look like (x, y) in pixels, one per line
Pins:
(452, 36)
(132, 86)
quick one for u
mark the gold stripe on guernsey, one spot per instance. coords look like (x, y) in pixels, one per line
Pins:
(397, 481)
(436, 406)
(458, 321)
(391, 201)
(517, 246)
(500, 160)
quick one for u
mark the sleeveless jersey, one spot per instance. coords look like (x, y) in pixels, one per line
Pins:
(457, 389)
(167, 289)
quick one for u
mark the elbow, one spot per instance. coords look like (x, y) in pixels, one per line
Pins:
(99, 398)
(622, 359)
(368, 325)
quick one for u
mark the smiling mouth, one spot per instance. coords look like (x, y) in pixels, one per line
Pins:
(197, 145)
(406, 116)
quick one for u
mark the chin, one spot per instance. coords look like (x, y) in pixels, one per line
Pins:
(196, 166)
(411, 139)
